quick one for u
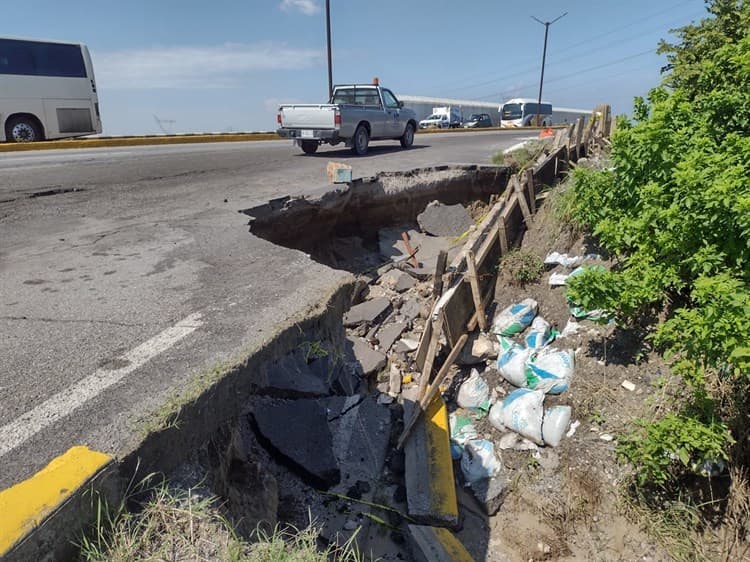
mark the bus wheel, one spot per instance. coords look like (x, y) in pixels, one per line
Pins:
(309, 147)
(22, 129)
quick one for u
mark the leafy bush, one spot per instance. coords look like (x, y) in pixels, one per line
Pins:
(675, 212)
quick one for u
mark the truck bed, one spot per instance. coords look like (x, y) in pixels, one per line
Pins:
(308, 116)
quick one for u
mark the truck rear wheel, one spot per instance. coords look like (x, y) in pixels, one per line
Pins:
(309, 147)
(361, 141)
(407, 139)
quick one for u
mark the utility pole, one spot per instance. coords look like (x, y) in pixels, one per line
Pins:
(328, 34)
(546, 25)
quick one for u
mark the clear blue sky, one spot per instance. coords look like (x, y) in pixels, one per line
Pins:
(224, 65)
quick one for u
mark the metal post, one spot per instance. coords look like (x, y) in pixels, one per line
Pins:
(546, 25)
(328, 35)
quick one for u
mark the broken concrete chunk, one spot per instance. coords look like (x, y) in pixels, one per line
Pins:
(436, 544)
(480, 349)
(291, 377)
(491, 492)
(370, 360)
(368, 311)
(338, 172)
(444, 220)
(397, 280)
(394, 381)
(392, 246)
(388, 334)
(410, 309)
(297, 431)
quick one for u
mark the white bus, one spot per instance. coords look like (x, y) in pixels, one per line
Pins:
(521, 112)
(47, 91)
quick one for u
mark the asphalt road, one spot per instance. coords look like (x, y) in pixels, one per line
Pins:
(123, 271)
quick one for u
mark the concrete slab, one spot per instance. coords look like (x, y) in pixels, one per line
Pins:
(430, 484)
(491, 492)
(444, 220)
(291, 377)
(297, 431)
(397, 280)
(367, 312)
(436, 544)
(388, 334)
(370, 360)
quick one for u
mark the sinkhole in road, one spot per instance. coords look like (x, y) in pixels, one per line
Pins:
(306, 427)
(340, 228)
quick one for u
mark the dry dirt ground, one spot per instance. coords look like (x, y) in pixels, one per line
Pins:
(565, 502)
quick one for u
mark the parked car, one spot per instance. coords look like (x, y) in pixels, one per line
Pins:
(478, 120)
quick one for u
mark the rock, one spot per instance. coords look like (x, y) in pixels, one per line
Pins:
(388, 334)
(360, 440)
(479, 349)
(407, 344)
(291, 377)
(397, 280)
(370, 360)
(444, 220)
(394, 382)
(410, 309)
(367, 312)
(385, 399)
(392, 246)
(491, 492)
(420, 273)
(297, 431)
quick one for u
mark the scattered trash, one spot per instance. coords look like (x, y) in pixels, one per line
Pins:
(479, 460)
(550, 370)
(573, 427)
(539, 335)
(474, 393)
(558, 279)
(515, 318)
(496, 416)
(555, 424)
(522, 412)
(556, 258)
(606, 437)
(512, 361)
(627, 385)
(407, 379)
(571, 329)
(462, 430)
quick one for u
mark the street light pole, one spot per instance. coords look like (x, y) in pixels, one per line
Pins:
(546, 25)
(328, 35)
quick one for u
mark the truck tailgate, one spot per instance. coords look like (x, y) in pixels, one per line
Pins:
(308, 116)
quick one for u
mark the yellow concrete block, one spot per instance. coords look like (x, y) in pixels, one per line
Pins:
(25, 505)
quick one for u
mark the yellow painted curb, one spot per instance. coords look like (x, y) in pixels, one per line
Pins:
(439, 461)
(453, 547)
(135, 141)
(26, 505)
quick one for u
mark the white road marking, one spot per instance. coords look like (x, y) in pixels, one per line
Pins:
(63, 403)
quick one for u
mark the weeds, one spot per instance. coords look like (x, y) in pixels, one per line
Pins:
(176, 524)
(522, 268)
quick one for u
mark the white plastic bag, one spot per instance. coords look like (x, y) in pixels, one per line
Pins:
(474, 393)
(555, 424)
(496, 416)
(462, 430)
(479, 460)
(550, 370)
(522, 413)
(515, 318)
(539, 334)
(512, 364)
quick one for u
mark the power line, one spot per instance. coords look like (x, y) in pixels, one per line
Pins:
(565, 49)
